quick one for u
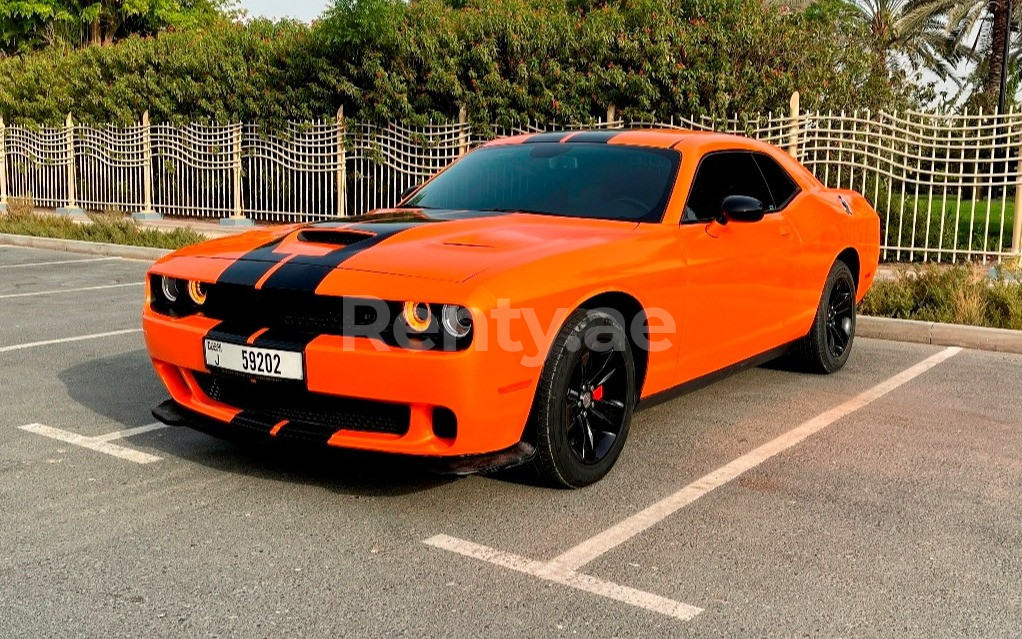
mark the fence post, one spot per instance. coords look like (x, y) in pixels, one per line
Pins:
(342, 169)
(237, 218)
(72, 209)
(1016, 233)
(793, 126)
(147, 212)
(3, 166)
(462, 131)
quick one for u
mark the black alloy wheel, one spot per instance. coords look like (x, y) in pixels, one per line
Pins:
(583, 405)
(594, 405)
(826, 347)
(840, 318)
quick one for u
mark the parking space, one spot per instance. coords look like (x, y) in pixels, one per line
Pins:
(897, 516)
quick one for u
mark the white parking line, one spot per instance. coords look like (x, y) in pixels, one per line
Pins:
(129, 432)
(58, 262)
(100, 443)
(616, 535)
(69, 290)
(64, 340)
(624, 594)
(563, 568)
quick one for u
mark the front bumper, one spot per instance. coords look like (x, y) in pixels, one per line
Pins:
(173, 414)
(489, 393)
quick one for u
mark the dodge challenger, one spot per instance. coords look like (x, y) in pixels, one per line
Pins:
(519, 305)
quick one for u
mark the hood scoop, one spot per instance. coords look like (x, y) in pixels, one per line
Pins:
(336, 238)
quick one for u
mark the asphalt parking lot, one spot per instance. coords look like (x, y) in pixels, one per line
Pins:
(883, 501)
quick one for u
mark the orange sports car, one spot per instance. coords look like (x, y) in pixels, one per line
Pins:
(516, 307)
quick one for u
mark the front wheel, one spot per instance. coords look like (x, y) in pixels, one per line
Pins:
(825, 349)
(584, 401)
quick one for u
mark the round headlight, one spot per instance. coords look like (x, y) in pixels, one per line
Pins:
(170, 289)
(457, 320)
(417, 316)
(197, 291)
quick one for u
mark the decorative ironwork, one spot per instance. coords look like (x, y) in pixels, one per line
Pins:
(944, 185)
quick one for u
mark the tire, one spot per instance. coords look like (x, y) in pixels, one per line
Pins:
(825, 349)
(584, 402)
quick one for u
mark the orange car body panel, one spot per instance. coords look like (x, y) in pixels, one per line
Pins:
(731, 292)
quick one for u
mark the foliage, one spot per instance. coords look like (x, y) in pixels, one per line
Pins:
(504, 60)
(29, 24)
(227, 73)
(954, 294)
(112, 228)
(909, 31)
(507, 60)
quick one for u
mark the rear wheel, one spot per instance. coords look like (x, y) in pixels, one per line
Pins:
(584, 401)
(825, 349)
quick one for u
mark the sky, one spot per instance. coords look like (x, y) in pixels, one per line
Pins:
(300, 9)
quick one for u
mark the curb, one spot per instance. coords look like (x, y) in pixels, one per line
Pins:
(979, 337)
(80, 246)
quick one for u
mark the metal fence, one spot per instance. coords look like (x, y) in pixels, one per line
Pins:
(944, 185)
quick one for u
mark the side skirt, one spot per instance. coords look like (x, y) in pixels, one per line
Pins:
(701, 382)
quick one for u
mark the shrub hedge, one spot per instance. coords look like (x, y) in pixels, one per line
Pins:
(504, 60)
(955, 294)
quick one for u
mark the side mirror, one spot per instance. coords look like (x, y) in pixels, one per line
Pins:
(404, 194)
(740, 208)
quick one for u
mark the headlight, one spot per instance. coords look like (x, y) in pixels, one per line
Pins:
(170, 288)
(417, 316)
(197, 291)
(457, 320)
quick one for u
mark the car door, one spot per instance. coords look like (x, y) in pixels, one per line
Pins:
(739, 292)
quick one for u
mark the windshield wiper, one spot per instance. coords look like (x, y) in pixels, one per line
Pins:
(526, 211)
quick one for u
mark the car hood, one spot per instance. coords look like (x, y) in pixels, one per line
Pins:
(449, 246)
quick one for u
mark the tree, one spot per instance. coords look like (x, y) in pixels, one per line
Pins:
(914, 31)
(26, 24)
(987, 23)
(29, 24)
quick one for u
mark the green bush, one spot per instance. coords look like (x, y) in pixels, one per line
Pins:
(226, 73)
(504, 60)
(953, 294)
(507, 60)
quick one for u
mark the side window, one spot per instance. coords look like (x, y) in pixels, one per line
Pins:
(720, 175)
(781, 186)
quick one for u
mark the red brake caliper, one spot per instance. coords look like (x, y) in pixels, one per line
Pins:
(598, 393)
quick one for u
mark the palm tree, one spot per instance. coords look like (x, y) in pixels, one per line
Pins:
(913, 31)
(987, 23)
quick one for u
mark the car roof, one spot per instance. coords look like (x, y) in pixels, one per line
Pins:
(654, 138)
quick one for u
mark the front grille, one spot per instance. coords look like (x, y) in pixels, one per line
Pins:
(311, 415)
(295, 311)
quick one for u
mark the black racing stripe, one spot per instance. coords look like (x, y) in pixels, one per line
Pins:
(252, 266)
(232, 332)
(553, 136)
(599, 137)
(307, 273)
(284, 340)
(254, 421)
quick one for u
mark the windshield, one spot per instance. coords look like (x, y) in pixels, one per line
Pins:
(575, 180)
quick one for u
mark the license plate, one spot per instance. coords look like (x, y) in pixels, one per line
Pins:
(264, 362)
